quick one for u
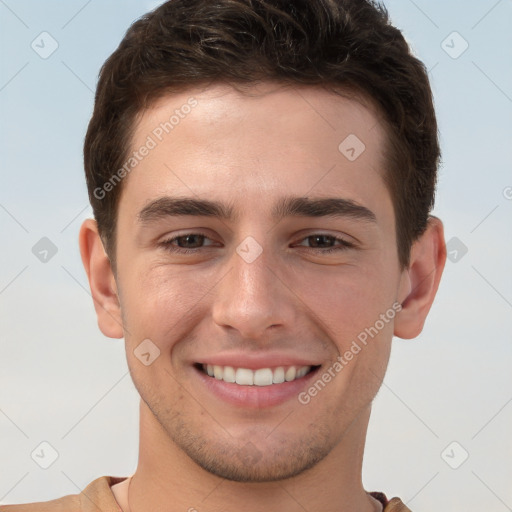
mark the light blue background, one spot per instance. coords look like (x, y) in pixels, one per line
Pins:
(63, 382)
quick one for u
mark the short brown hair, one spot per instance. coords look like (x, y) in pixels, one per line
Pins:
(344, 44)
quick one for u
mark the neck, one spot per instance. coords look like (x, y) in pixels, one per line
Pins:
(166, 478)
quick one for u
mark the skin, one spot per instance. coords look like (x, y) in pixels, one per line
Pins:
(249, 151)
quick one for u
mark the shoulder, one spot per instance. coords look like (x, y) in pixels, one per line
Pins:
(66, 503)
(97, 494)
(396, 505)
(392, 505)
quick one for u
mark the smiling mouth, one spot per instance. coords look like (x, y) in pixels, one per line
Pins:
(259, 377)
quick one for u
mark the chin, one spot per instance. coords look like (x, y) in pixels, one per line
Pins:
(242, 461)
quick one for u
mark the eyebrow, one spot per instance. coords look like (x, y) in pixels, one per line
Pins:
(288, 206)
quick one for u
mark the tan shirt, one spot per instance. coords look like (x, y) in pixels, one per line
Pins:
(98, 496)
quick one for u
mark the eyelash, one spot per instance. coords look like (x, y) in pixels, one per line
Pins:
(344, 244)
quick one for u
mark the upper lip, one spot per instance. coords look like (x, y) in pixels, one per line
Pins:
(254, 361)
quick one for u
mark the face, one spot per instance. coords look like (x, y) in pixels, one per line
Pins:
(255, 237)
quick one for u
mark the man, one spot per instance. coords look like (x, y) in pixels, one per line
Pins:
(261, 175)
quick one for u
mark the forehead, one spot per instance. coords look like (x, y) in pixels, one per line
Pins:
(266, 139)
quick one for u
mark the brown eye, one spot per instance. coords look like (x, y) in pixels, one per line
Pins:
(321, 239)
(186, 243)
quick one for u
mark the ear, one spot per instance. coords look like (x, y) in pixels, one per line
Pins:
(101, 280)
(419, 282)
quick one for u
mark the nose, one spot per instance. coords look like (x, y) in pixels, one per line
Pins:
(253, 297)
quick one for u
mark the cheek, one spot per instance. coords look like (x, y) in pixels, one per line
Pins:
(355, 310)
(161, 306)
(349, 300)
(160, 303)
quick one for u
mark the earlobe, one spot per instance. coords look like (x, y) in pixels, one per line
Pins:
(101, 280)
(428, 257)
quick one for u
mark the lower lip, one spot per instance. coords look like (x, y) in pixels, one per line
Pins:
(256, 397)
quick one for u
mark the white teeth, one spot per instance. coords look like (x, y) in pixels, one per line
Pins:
(260, 377)
(263, 377)
(244, 376)
(278, 376)
(290, 374)
(217, 372)
(229, 374)
(301, 373)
